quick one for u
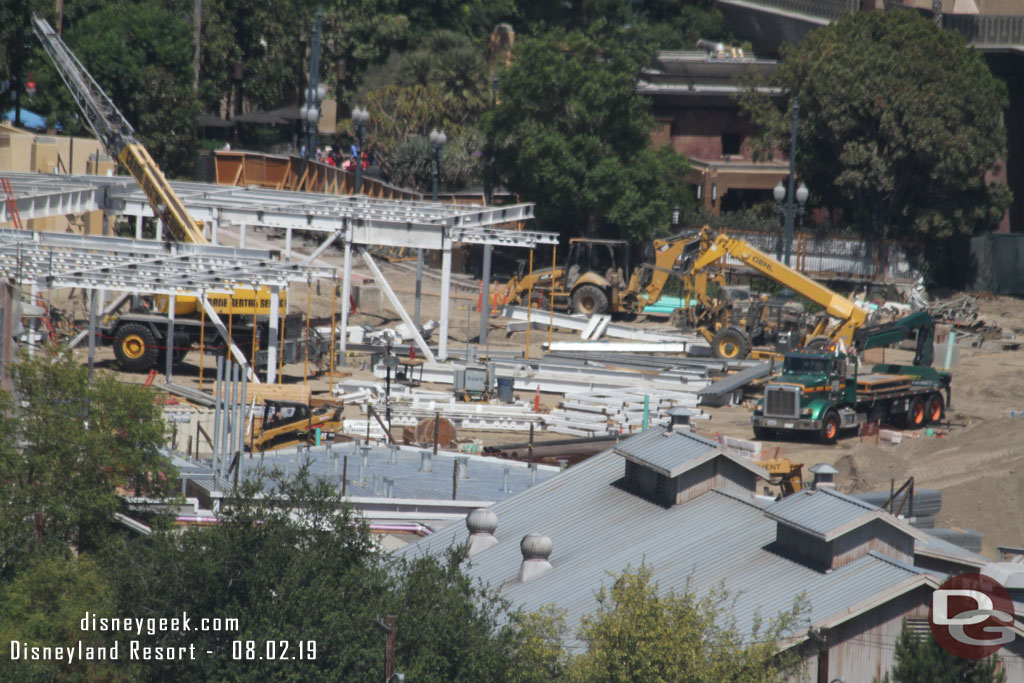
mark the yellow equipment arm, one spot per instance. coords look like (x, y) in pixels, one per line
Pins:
(835, 304)
(166, 204)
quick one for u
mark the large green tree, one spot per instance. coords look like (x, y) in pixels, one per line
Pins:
(441, 84)
(899, 122)
(69, 448)
(290, 561)
(43, 607)
(639, 634)
(570, 133)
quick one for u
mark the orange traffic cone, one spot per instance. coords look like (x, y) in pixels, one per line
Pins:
(536, 400)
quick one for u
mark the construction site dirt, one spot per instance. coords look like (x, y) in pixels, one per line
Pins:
(977, 461)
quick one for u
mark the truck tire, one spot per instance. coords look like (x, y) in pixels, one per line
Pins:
(730, 343)
(829, 427)
(135, 347)
(764, 433)
(589, 300)
(935, 409)
(819, 343)
(916, 416)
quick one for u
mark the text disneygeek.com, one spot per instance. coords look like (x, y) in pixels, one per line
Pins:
(135, 649)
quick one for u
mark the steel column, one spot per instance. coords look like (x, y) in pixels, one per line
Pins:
(446, 283)
(275, 300)
(346, 294)
(485, 298)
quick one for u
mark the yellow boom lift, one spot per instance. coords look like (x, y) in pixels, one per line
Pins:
(727, 339)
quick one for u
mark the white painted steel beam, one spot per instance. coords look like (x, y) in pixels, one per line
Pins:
(622, 347)
(385, 222)
(582, 323)
(53, 260)
(211, 312)
(397, 305)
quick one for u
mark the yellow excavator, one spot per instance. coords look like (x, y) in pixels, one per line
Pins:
(139, 337)
(730, 335)
(593, 278)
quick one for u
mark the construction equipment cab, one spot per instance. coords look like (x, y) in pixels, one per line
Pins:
(596, 277)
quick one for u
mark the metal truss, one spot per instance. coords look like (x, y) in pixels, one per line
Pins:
(368, 221)
(57, 260)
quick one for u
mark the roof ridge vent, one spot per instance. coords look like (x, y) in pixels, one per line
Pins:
(481, 524)
(536, 549)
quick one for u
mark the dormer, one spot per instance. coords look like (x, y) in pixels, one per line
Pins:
(670, 467)
(827, 529)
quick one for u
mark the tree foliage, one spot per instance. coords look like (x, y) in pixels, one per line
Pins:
(443, 85)
(637, 634)
(68, 447)
(898, 124)
(570, 133)
(44, 605)
(923, 660)
(141, 55)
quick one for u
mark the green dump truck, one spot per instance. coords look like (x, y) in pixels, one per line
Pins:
(824, 392)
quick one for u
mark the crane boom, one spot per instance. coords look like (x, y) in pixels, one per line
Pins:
(836, 305)
(117, 136)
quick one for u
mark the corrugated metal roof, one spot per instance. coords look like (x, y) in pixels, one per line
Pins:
(670, 453)
(597, 528)
(673, 452)
(486, 475)
(821, 512)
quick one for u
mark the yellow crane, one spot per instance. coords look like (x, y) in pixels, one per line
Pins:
(139, 339)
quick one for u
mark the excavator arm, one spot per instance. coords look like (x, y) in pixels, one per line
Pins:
(117, 136)
(836, 305)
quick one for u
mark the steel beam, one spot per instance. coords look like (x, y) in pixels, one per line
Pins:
(397, 305)
(211, 312)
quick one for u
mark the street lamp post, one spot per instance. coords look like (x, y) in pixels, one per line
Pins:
(315, 93)
(437, 143)
(359, 118)
(781, 194)
(787, 211)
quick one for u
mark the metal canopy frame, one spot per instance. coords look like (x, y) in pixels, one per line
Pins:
(355, 219)
(369, 221)
(57, 260)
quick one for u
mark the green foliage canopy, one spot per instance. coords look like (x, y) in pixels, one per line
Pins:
(922, 660)
(67, 448)
(570, 133)
(639, 635)
(899, 123)
(140, 55)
